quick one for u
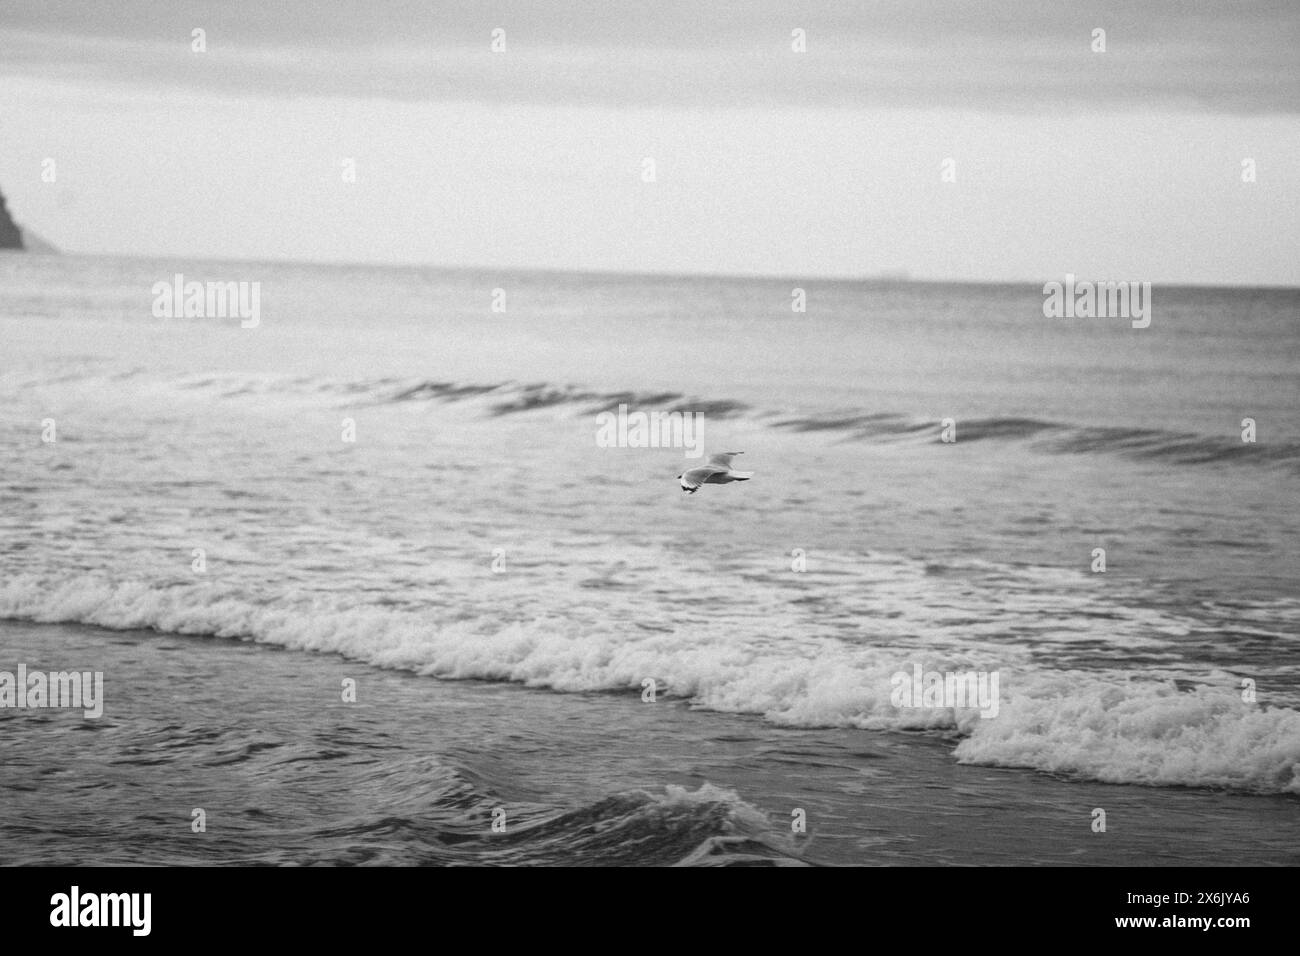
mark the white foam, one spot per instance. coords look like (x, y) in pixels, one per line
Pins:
(1097, 724)
(1141, 731)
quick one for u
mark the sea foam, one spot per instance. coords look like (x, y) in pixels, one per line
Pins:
(1103, 725)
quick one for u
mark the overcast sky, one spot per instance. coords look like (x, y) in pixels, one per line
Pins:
(1118, 165)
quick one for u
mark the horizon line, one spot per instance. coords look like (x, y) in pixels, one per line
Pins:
(889, 276)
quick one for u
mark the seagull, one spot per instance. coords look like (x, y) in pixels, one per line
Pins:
(716, 472)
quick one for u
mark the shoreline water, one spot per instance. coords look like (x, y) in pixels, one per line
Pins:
(287, 773)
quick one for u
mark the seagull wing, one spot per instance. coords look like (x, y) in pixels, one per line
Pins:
(691, 480)
(723, 461)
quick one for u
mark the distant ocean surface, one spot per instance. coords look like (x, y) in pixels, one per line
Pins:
(500, 587)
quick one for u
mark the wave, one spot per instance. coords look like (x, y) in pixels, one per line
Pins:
(706, 827)
(1145, 732)
(1102, 725)
(511, 398)
(448, 820)
(434, 810)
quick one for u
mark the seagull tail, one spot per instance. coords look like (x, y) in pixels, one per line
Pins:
(741, 475)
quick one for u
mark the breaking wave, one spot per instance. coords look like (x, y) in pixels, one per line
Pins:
(1101, 725)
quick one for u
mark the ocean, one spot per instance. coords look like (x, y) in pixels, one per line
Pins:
(365, 586)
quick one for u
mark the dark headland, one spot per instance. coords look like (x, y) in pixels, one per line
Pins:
(11, 236)
(15, 237)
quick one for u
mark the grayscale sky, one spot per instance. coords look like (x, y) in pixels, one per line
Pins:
(1118, 165)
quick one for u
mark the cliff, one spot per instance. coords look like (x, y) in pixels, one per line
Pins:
(16, 237)
(11, 236)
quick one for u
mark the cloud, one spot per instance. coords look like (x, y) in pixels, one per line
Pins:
(1018, 56)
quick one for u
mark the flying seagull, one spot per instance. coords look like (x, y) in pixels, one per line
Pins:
(716, 472)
